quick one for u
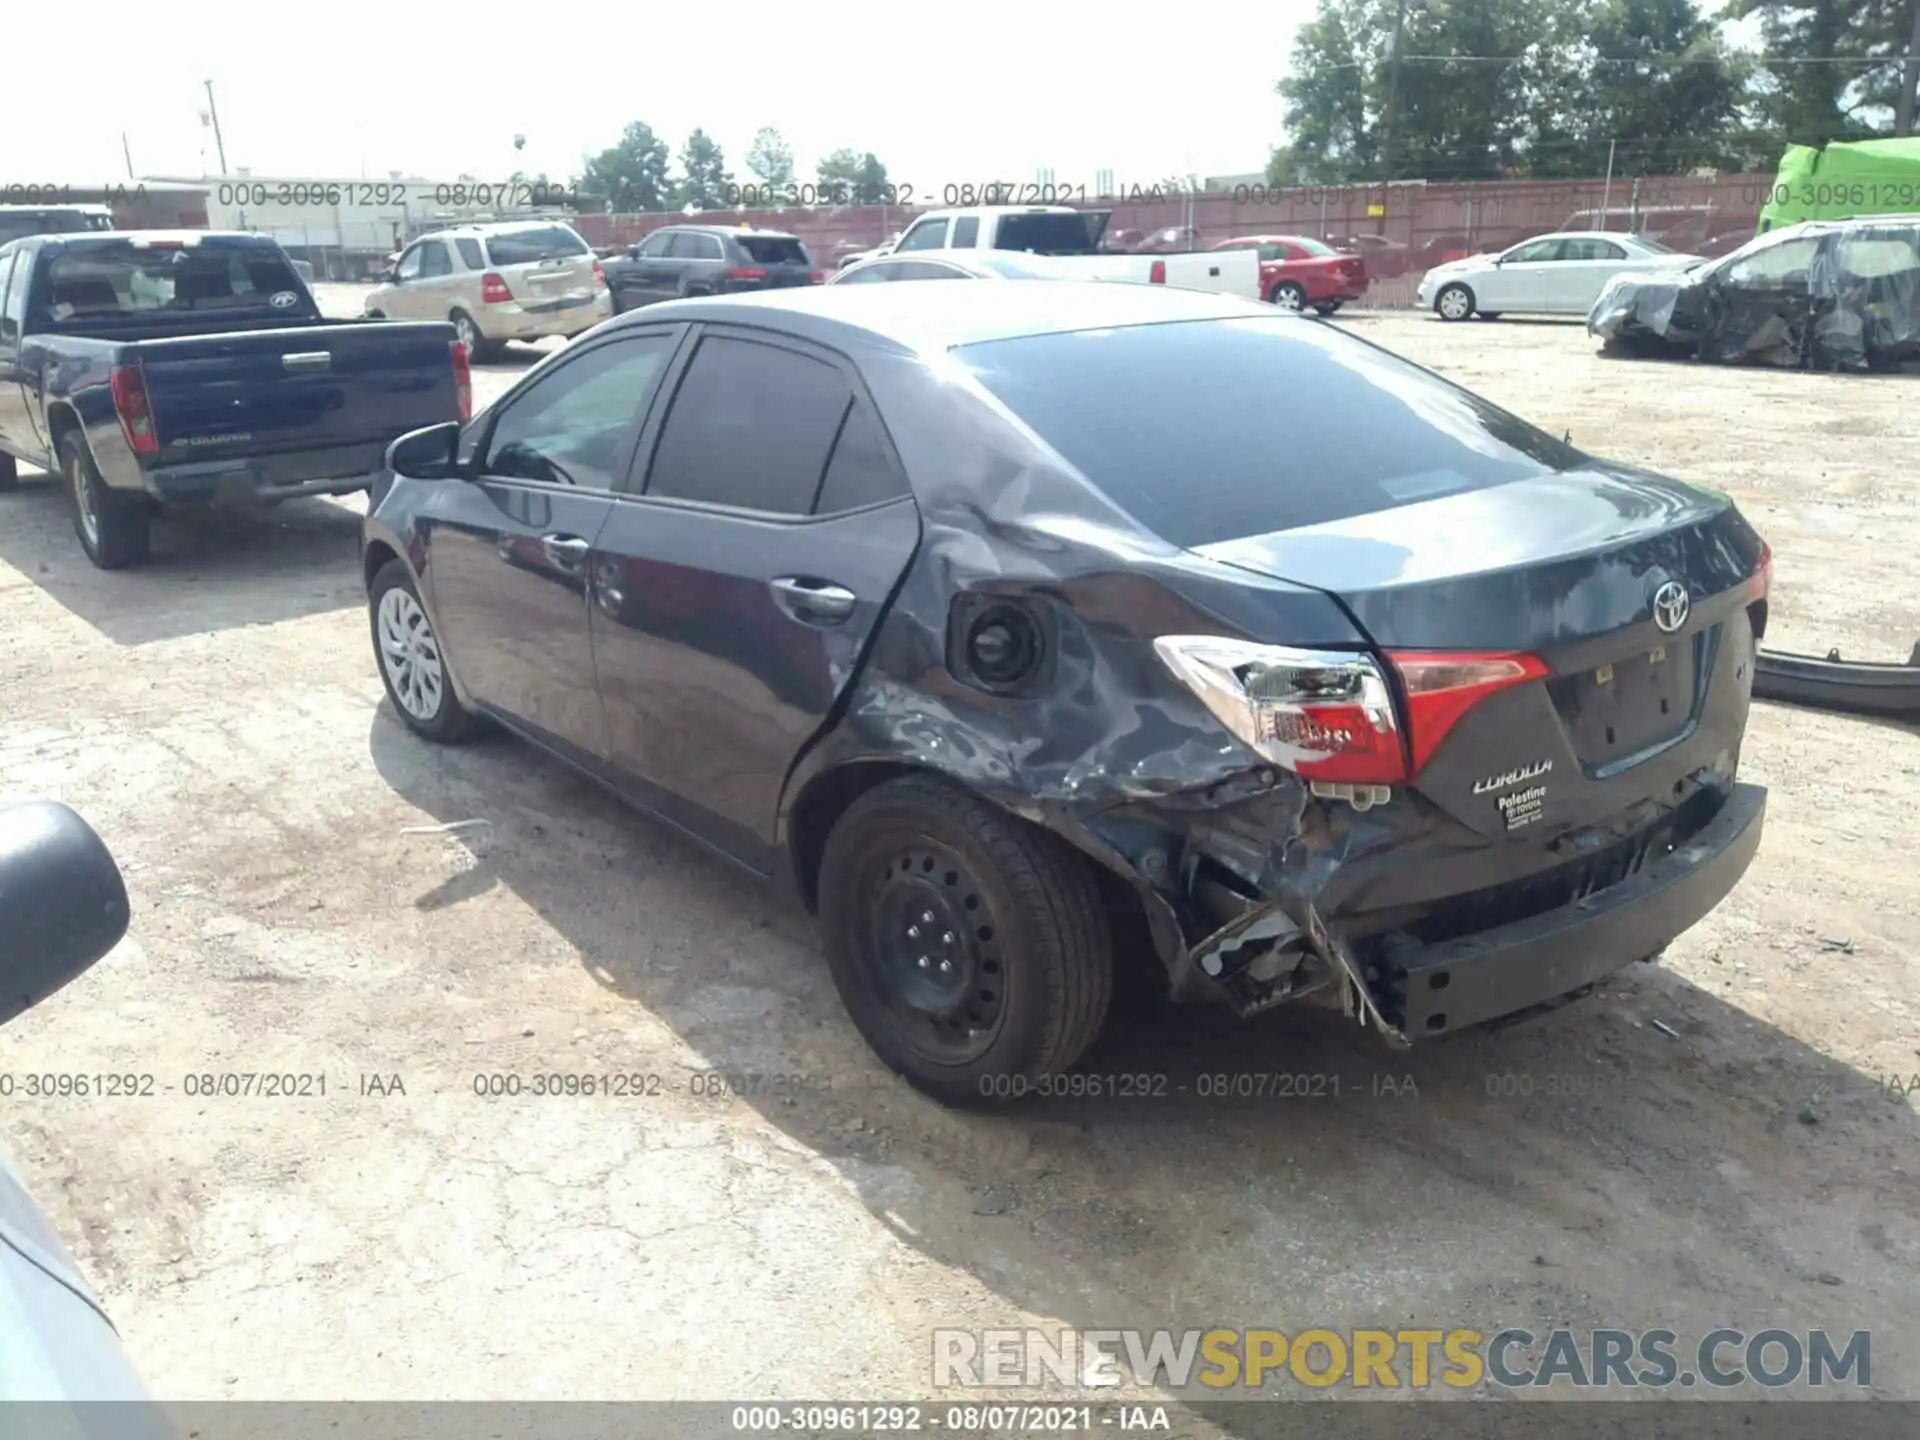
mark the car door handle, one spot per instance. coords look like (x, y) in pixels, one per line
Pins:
(566, 551)
(812, 601)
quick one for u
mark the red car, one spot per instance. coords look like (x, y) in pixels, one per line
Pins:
(1297, 272)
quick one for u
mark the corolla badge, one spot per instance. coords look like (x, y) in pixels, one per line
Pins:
(1670, 606)
(1511, 777)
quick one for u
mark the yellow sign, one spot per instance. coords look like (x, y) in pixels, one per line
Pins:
(1374, 212)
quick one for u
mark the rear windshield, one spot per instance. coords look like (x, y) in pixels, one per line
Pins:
(1313, 246)
(530, 247)
(1046, 234)
(1647, 242)
(1212, 430)
(96, 279)
(772, 249)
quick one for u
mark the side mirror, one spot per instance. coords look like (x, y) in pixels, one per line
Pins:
(389, 276)
(62, 902)
(427, 454)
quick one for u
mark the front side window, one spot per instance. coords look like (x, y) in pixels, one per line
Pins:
(409, 266)
(1535, 252)
(866, 274)
(1785, 263)
(13, 292)
(655, 245)
(571, 426)
(751, 427)
(926, 270)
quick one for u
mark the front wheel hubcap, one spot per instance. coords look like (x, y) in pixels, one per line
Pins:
(1287, 299)
(936, 956)
(1453, 305)
(410, 654)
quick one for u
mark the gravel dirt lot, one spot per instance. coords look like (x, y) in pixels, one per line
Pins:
(218, 718)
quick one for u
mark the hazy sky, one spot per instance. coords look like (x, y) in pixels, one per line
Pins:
(979, 90)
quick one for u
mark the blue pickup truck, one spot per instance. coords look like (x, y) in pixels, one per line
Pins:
(194, 367)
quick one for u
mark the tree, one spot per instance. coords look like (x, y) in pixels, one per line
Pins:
(632, 175)
(706, 183)
(1819, 100)
(770, 158)
(1284, 167)
(860, 177)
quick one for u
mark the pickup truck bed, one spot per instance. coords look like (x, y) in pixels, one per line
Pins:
(153, 369)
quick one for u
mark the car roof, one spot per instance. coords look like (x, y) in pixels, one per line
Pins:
(722, 230)
(495, 227)
(157, 237)
(930, 318)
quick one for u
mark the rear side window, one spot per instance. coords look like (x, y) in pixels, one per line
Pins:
(773, 249)
(966, 233)
(470, 253)
(861, 471)
(1217, 429)
(530, 247)
(1046, 234)
(751, 427)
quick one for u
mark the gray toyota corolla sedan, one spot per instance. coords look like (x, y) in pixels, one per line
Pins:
(1011, 623)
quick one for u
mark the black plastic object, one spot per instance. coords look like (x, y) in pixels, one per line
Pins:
(1859, 687)
(63, 903)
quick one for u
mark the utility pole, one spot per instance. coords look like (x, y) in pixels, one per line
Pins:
(1393, 91)
(1606, 192)
(214, 115)
(1909, 80)
(127, 151)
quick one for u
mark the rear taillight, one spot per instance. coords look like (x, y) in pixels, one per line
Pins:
(1157, 273)
(745, 272)
(1325, 715)
(128, 386)
(463, 380)
(493, 290)
(1442, 686)
(816, 277)
(1328, 715)
(1762, 580)
(599, 276)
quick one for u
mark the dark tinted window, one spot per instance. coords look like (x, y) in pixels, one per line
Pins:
(93, 278)
(434, 260)
(750, 426)
(569, 426)
(966, 233)
(15, 223)
(773, 249)
(470, 253)
(1046, 234)
(861, 471)
(529, 247)
(1211, 430)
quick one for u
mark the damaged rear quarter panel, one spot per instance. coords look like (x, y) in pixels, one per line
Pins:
(1107, 750)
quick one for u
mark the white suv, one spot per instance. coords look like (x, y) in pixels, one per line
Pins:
(497, 283)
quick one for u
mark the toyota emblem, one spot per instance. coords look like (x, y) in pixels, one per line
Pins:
(1670, 606)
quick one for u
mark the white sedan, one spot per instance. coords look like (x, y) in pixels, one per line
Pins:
(1559, 274)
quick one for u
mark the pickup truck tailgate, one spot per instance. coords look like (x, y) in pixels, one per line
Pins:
(336, 392)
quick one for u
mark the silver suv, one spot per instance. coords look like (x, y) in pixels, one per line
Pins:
(497, 283)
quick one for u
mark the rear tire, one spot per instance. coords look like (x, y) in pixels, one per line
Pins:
(1454, 302)
(9, 473)
(1489, 315)
(115, 528)
(412, 666)
(1327, 307)
(468, 330)
(1016, 914)
(1288, 295)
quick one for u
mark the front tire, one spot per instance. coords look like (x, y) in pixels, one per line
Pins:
(9, 473)
(115, 528)
(1454, 302)
(412, 666)
(1288, 295)
(971, 950)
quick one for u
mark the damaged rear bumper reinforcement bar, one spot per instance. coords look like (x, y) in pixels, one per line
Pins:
(1505, 972)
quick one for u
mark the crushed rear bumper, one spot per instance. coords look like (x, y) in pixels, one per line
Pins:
(1502, 972)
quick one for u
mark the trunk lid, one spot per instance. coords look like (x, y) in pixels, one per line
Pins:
(259, 392)
(547, 267)
(1637, 593)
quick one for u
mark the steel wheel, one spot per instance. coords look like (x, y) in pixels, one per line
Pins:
(935, 956)
(1454, 303)
(83, 505)
(410, 654)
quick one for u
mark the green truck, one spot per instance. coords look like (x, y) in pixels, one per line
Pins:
(1847, 178)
